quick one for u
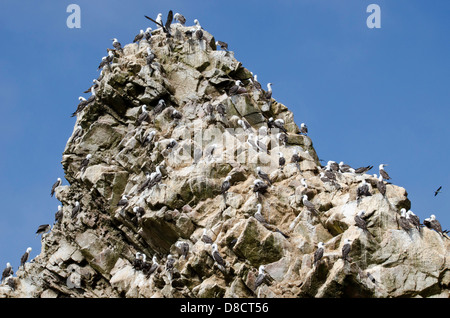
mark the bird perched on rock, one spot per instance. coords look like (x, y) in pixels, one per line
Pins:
(281, 161)
(85, 162)
(259, 187)
(138, 261)
(218, 258)
(55, 185)
(346, 249)
(8, 271)
(222, 45)
(268, 94)
(261, 278)
(381, 186)
(24, 258)
(206, 238)
(318, 254)
(116, 44)
(413, 219)
(403, 222)
(434, 224)
(264, 176)
(180, 18)
(144, 116)
(139, 37)
(170, 266)
(59, 215)
(148, 34)
(225, 187)
(43, 229)
(308, 204)
(237, 89)
(363, 190)
(383, 172)
(303, 129)
(279, 124)
(183, 248)
(361, 223)
(76, 209)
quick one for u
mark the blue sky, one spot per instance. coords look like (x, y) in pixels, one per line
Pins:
(369, 96)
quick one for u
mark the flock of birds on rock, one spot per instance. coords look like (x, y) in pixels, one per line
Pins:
(261, 184)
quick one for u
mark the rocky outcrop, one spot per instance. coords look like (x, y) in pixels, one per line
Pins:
(93, 253)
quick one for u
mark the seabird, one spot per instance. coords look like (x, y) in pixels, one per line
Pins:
(437, 191)
(148, 139)
(363, 190)
(158, 108)
(268, 94)
(76, 209)
(343, 168)
(433, 224)
(24, 258)
(146, 182)
(263, 175)
(259, 216)
(59, 215)
(106, 60)
(333, 166)
(155, 177)
(139, 37)
(296, 159)
(223, 45)
(123, 202)
(78, 132)
(217, 257)
(237, 89)
(362, 170)
(413, 219)
(220, 109)
(403, 222)
(383, 172)
(252, 143)
(318, 254)
(261, 146)
(361, 223)
(85, 162)
(281, 160)
(225, 187)
(172, 143)
(150, 269)
(381, 186)
(170, 265)
(282, 138)
(324, 178)
(278, 123)
(95, 82)
(259, 187)
(180, 18)
(303, 129)
(139, 211)
(10, 282)
(43, 229)
(148, 34)
(244, 124)
(303, 182)
(159, 23)
(138, 261)
(55, 185)
(206, 238)
(176, 114)
(116, 44)
(261, 276)
(308, 204)
(346, 249)
(144, 116)
(183, 248)
(8, 271)
(83, 103)
(159, 19)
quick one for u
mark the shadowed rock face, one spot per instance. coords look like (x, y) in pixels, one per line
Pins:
(92, 254)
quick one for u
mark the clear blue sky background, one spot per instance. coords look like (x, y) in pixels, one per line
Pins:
(369, 96)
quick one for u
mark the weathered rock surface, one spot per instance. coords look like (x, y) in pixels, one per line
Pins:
(92, 254)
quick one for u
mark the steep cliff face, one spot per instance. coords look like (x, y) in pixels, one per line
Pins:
(92, 253)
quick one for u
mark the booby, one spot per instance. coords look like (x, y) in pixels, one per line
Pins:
(361, 223)
(259, 187)
(8, 271)
(146, 182)
(176, 114)
(138, 261)
(237, 89)
(139, 211)
(261, 146)
(343, 168)
(263, 175)
(10, 282)
(225, 187)
(77, 133)
(172, 143)
(149, 138)
(116, 44)
(318, 254)
(437, 191)
(258, 216)
(183, 248)
(251, 142)
(155, 177)
(24, 258)
(324, 178)
(76, 209)
(362, 170)
(303, 129)
(268, 94)
(222, 45)
(59, 215)
(433, 224)
(383, 172)
(346, 249)
(159, 20)
(296, 159)
(148, 34)
(180, 18)
(333, 166)
(217, 257)
(220, 109)
(95, 82)
(244, 124)
(123, 202)
(170, 265)
(261, 276)
(282, 138)
(278, 123)
(43, 229)
(159, 107)
(281, 161)
(363, 190)
(55, 185)
(206, 238)
(85, 162)
(139, 37)
(403, 222)
(106, 60)
(308, 204)
(83, 103)
(413, 219)
(149, 269)
(144, 116)
(381, 186)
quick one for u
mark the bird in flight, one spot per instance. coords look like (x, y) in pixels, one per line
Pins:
(437, 191)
